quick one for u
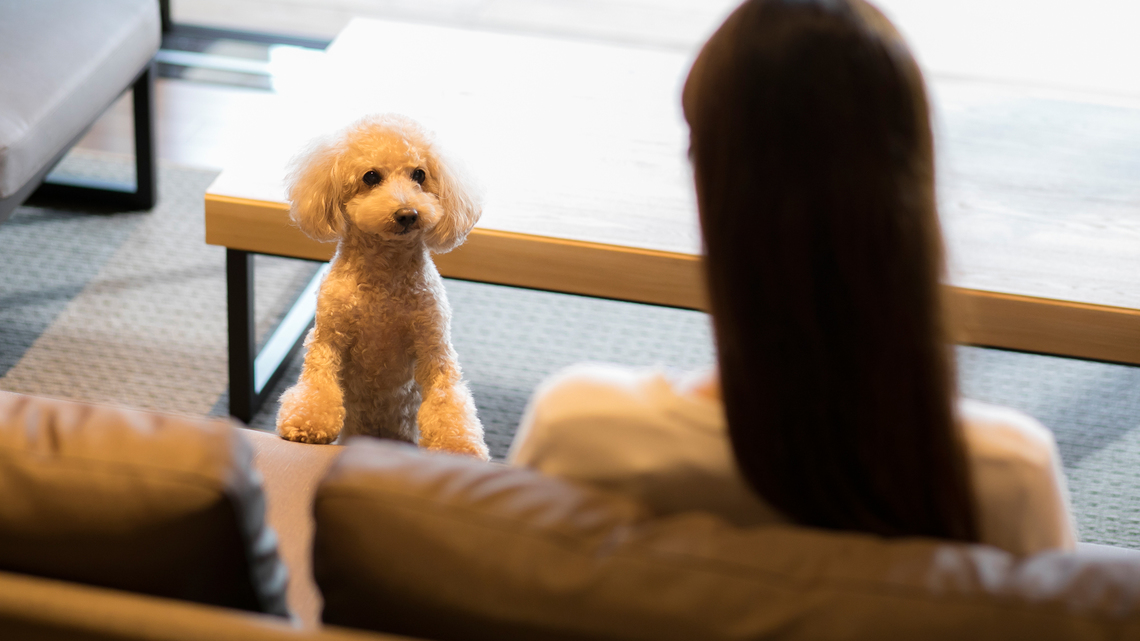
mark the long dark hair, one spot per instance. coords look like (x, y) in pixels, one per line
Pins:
(814, 167)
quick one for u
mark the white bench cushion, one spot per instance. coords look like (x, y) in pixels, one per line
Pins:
(62, 62)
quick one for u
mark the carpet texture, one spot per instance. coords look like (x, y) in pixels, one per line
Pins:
(130, 309)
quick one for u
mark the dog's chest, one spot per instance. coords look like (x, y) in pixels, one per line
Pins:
(383, 323)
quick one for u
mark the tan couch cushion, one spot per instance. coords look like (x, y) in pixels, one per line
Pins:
(446, 547)
(136, 501)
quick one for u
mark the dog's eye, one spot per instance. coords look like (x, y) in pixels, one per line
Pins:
(371, 178)
(419, 176)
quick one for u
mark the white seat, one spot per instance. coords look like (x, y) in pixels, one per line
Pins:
(62, 63)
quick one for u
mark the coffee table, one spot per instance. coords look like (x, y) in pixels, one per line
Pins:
(581, 148)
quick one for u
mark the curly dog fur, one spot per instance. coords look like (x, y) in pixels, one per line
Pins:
(380, 360)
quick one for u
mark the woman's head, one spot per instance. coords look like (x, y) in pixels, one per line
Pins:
(814, 169)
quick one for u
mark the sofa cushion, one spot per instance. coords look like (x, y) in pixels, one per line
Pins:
(62, 62)
(446, 547)
(151, 503)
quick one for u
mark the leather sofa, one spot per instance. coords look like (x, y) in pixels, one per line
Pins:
(117, 524)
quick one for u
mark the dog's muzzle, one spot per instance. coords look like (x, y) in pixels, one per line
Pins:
(406, 218)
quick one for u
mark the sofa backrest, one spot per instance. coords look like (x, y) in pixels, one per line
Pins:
(151, 503)
(446, 547)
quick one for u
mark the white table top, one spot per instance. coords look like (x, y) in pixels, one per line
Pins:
(586, 141)
(569, 139)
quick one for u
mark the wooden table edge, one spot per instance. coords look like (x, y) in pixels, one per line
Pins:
(674, 279)
(489, 255)
(1047, 325)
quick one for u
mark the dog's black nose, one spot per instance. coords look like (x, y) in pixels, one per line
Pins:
(406, 216)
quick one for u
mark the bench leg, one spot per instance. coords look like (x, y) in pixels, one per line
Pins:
(253, 374)
(146, 159)
(102, 194)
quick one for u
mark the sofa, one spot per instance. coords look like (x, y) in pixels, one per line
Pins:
(120, 524)
(62, 64)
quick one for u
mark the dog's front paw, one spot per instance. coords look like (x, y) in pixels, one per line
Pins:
(457, 443)
(309, 416)
(302, 432)
(447, 422)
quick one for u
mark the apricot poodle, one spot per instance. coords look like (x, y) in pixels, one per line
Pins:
(380, 360)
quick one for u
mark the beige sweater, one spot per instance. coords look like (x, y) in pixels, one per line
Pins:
(648, 434)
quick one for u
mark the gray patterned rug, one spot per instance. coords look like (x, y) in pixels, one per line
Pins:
(130, 309)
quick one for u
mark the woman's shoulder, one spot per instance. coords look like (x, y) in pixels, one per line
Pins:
(1023, 499)
(597, 388)
(597, 411)
(647, 433)
(996, 432)
(593, 378)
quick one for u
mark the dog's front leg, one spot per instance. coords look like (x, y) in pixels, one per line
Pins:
(312, 411)
(447, 418)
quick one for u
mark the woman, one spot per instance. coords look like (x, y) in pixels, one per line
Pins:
(834, 401)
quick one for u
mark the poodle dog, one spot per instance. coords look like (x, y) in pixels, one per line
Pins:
(380, 360)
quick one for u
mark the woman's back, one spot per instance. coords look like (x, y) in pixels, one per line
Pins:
(813, 165)
(661, 437)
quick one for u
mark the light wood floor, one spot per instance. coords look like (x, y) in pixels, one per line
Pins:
(655, 23)
(1088, 45)
(196, 123)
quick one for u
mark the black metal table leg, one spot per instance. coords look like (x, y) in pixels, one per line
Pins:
(253, 374)
(239, 305)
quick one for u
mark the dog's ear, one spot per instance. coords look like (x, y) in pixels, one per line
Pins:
(461, 200)
(316, 189)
